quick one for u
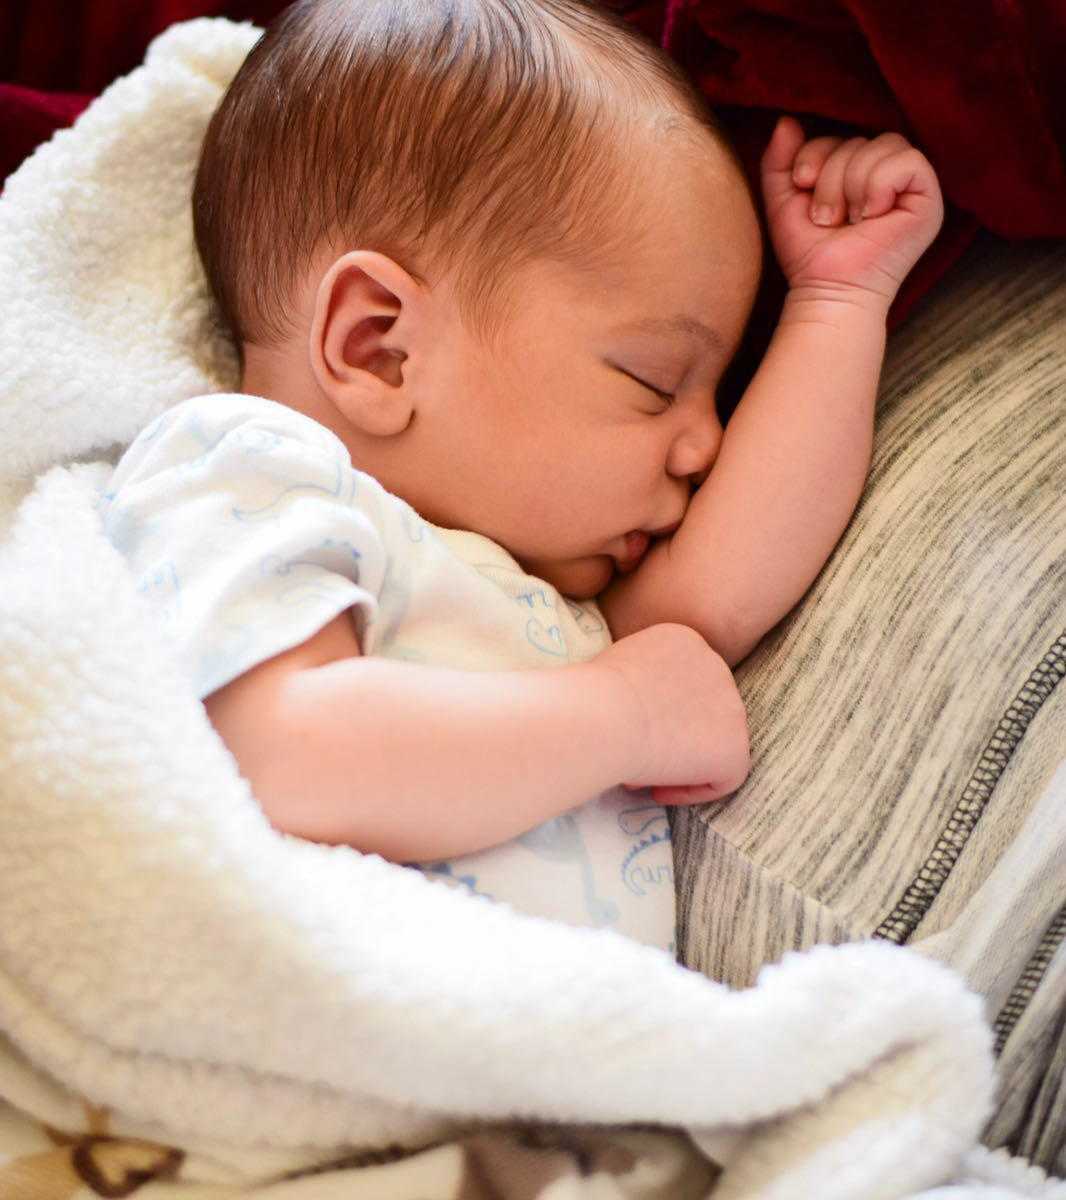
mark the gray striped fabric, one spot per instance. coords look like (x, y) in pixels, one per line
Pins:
(908, 719)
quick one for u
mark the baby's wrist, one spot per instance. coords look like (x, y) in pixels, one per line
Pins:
(836, 304)
(611, 694)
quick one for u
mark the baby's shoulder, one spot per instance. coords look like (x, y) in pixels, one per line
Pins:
(224, 434)
(234, 453)
(249, 422)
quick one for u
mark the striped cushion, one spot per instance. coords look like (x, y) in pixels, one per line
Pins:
(908, 722)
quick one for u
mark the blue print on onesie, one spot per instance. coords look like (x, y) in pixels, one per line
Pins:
(203, 440)
(560, 840)
(587, 622)
(444, 871)
(650, 819)
(314, 579)
(544, 637)
(343, 490)
(161, 585)
(152, 430)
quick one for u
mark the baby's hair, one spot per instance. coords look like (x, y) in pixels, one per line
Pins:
(456, 136)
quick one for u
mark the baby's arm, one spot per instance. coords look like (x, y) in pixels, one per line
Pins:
(414, 762)
(788, 476)
(417, 762)
(796, 452)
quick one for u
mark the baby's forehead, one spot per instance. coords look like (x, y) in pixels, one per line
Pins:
(690, 246)
(686, 203)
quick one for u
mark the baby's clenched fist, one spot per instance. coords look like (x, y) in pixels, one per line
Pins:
(848, 216)
(687, 730)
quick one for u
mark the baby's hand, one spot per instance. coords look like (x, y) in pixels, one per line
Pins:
(689, 732)
(875, 208)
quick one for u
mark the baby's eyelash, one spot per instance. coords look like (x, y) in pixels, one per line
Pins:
(668, 397)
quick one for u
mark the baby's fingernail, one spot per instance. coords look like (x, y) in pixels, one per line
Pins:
(821, 214)
(804, 173)
(854, 216)
(865, 211)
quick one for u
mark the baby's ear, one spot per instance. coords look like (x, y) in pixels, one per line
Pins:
(355, 353)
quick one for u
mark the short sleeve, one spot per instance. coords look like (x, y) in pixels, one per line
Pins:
(247, 527)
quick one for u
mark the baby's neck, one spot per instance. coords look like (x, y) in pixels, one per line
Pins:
(276, 375)
(270, 373)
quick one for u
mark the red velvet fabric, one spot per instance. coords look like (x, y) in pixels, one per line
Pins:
(978, 85)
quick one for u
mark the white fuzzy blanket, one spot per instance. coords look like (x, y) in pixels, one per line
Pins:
(165, 953)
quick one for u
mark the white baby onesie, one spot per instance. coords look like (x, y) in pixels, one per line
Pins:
(247, 527)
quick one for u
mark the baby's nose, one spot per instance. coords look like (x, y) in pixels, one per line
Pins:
(696, 455)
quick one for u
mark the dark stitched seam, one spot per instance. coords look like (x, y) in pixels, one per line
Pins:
(919, 895)
(1029, 980)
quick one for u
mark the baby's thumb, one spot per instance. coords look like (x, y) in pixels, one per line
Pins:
(778, 158)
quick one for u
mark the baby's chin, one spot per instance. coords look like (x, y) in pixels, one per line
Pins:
(578, 578)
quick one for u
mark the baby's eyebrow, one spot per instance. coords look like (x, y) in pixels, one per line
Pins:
(680, 323)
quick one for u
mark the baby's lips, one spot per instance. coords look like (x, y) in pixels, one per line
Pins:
(637, 543)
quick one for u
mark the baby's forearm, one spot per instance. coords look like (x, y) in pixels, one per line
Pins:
(789, 474)
(417, 763)
(791, 469)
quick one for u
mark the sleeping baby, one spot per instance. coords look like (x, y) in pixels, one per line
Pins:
(485, 264)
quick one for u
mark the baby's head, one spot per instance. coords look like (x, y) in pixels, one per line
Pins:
(475, 238)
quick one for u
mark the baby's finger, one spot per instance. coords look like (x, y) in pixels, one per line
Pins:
(827, 203)
(810, 160)
(860, 166)
(904, 178)
(686, 794)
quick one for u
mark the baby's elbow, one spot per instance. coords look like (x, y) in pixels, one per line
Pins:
(246, 715)
(729, 635)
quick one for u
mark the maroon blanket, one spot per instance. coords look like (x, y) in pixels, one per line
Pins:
(977, 84)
